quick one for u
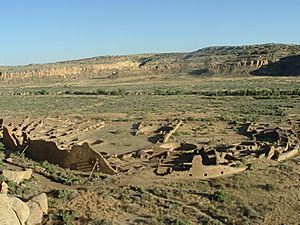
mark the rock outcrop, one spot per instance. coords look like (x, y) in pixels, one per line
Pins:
(3, 188)
(38, 206)
(67, 70)
(287, 66)
(17, 176)
(13, 211)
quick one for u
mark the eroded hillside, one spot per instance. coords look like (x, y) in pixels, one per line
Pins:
(224, 60)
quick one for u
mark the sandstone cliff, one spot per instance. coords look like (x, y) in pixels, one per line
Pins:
(287, 66)
(236, 60)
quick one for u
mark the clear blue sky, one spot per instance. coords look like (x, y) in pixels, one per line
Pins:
(35, 31)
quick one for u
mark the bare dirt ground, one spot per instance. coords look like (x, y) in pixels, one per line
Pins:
(212, 111)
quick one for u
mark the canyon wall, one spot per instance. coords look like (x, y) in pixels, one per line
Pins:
(237, 60)
(60, 70)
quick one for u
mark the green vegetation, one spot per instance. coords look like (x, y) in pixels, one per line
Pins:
(66, 194)
(205, 105)
(26, 187)
(268, 187)
(98, 92)
(174, 221)
(262, 92)
(221, 196)
(41, 92)
(1, 155)
(1, 146)
(242, 99)
(49, 170)
(67, 217)
(59, 174)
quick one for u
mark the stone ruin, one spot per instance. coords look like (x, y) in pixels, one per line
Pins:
(58, 141)
(66, 144)
(280, 143)
(191, 160)
(161, 132)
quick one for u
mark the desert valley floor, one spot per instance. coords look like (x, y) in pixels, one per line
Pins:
(152, 135)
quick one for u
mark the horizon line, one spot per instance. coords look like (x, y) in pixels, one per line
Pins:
(143, 53)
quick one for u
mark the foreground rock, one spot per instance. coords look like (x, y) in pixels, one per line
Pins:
(14, 211)
(17, 176)
(3, 188)
(38, 206)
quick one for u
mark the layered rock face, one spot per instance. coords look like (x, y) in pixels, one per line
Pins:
(227, 67)
(57, 70)
(238, 60)
(287, 66)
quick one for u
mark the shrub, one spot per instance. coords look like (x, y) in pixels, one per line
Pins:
(1, 155)
(19, 189)
(118, 92)
(50, 168)
(68, 216)
(59, 174)
(2, 148)
(101, 92)
(174, 221)
(41, 92)
(269, 187)
(66, 194)
(100, 222)
(221, 196)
